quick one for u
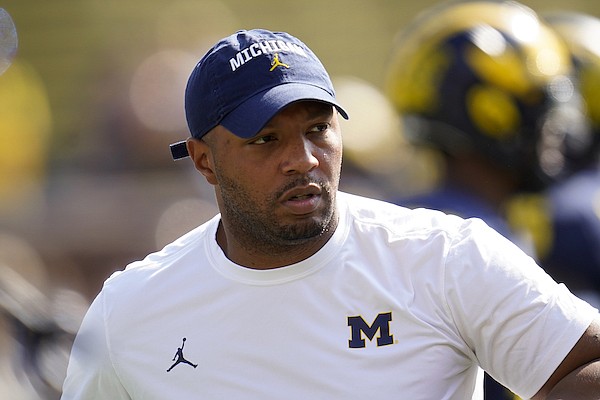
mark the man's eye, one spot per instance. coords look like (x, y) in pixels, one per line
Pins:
(263, 139)
(319, 128)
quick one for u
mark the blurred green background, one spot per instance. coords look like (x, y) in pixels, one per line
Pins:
(90, 104)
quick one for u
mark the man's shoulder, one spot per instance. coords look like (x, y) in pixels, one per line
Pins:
(174, 255)
(376, 211)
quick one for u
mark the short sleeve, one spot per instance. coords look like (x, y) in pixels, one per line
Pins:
(518, 321)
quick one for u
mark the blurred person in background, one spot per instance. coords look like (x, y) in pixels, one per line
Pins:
(489, 86)
(573, 205)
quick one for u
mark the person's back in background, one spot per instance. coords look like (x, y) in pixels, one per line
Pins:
(499, 107)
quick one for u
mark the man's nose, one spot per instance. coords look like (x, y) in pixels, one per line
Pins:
(300, 157)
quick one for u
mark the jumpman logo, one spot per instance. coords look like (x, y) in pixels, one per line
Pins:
(179, 358)
(276, 63)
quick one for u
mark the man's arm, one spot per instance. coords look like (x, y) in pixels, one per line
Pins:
(578, 376)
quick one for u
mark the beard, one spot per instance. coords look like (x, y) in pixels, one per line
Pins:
(256, 225)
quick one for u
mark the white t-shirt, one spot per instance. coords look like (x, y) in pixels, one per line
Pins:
(398, 304)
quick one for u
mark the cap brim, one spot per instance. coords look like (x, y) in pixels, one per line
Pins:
(253, 114)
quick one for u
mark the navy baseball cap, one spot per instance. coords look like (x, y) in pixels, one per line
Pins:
(247, 78)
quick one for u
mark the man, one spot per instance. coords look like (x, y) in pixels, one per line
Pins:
(296, 290)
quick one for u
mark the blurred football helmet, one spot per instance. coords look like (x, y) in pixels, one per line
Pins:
(490, 77)
(581, 33)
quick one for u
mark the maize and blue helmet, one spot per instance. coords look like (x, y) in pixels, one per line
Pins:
(490, 77)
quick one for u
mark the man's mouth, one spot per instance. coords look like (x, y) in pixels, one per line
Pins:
(302, 200)
(301, 197)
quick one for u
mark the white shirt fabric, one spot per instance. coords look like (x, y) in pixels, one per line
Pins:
(439, 296)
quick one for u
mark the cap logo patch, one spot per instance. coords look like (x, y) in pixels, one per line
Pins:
(276, 63)
(262, 48)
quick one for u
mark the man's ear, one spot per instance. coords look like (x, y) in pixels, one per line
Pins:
(201, 155)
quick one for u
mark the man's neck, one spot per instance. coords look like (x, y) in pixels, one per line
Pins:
(269, 256)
